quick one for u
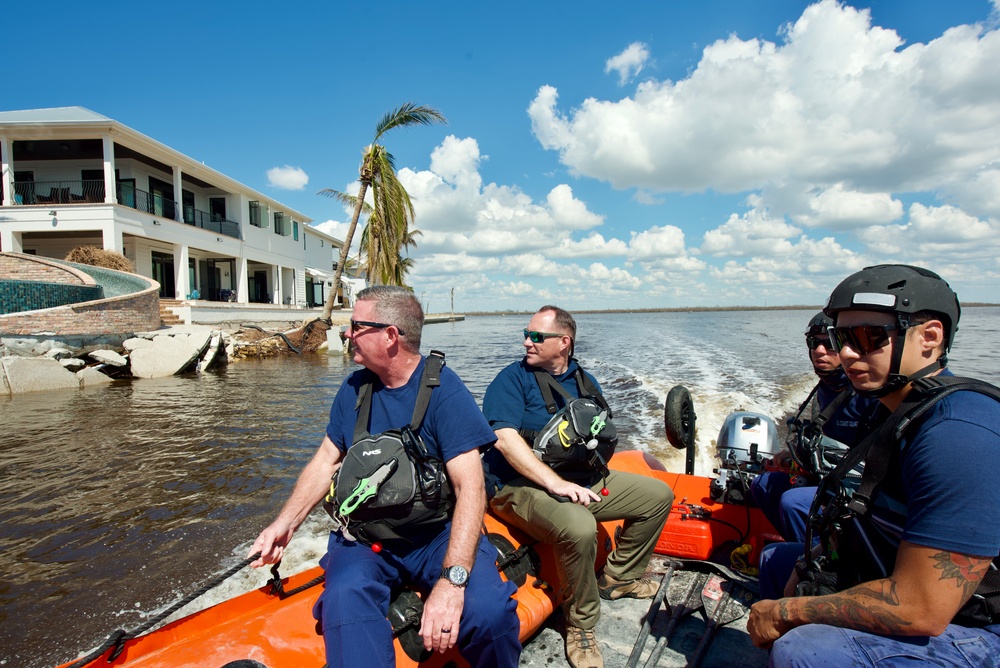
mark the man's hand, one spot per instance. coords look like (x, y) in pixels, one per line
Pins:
(439, 624)
(575, 493)
(766, 623)
(271, 544)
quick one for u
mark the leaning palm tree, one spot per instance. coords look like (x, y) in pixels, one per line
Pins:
(392, 208)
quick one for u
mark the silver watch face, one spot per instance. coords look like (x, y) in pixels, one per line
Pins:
(457, 575)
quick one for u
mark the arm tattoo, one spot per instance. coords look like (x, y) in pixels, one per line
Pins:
(966, 571)
(867, 607)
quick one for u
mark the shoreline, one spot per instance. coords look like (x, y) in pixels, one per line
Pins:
(690, 309)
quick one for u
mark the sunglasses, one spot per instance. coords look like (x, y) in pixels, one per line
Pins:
(539, 337)
(357, 324)
(863, 339)
(814, 342)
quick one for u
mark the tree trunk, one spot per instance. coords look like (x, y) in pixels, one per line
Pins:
(332, 297)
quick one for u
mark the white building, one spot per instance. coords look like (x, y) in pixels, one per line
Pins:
(72, 177)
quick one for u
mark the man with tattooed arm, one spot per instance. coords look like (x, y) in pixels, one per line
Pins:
(897, 577)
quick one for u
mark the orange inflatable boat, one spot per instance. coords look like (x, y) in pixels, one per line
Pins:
(267, 629)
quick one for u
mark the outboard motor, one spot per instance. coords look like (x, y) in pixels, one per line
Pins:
(746, 442)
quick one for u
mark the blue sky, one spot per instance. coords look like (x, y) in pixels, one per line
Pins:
(597, 155)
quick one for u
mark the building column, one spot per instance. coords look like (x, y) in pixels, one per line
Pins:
(243, 283)
(10, 241)
(7, 167)
(178, 195)
(182, 284)
(112, 238)
(276, 292)
(110, 186)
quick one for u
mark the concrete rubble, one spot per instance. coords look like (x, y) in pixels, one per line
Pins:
(40, 365)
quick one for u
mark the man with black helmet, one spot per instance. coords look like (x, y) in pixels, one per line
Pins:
(832, 411)
(903, 560)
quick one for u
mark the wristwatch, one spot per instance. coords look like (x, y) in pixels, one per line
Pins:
(457, 575)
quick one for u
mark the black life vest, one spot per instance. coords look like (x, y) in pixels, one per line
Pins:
(390, 489)
(837, 522)
(581, 436)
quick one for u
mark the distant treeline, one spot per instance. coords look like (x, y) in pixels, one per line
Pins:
(689, 309)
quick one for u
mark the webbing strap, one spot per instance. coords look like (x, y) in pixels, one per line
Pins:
(880, 443)
(546, 383)
(925, 394)
(430, 379)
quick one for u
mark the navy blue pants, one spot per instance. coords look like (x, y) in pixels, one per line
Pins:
(822, 646)
(357, 592)
(785, 506)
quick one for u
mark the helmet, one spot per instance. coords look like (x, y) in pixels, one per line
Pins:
(904, 291)
(819, 324)
(899, 289)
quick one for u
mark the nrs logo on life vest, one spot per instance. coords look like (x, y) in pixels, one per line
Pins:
(365, 453)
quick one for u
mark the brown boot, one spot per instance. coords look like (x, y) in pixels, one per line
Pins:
(581, 648)
(612, 589)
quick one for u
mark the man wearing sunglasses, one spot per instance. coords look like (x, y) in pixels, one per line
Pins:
(785, 503)
(896, 578)
(465, 601)
(563, 507)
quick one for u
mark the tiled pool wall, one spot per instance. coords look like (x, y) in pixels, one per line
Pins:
(17, 296)
(43, 295)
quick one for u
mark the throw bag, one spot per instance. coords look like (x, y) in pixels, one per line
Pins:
(382, 493)
(577, 437)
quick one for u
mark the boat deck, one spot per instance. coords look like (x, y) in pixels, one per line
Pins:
(620, 623)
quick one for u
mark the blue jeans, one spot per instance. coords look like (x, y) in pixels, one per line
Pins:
(822, 646)
(357, 592)
(785, 506)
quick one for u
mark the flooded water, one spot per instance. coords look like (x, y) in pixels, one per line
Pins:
(117, 501)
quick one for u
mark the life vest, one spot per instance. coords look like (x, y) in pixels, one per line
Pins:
(390, 489)
(581, 436)
(814, 453)
(851, 554)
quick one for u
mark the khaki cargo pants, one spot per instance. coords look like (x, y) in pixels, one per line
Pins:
(571, 528)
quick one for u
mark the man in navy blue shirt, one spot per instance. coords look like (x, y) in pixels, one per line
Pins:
(784, 503)
(904, 567)
(466, 603)
(561, 506)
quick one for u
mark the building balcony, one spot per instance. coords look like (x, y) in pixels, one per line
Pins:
(92, 192)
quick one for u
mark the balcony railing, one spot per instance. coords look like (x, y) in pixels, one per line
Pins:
(80, 192)
(212, 222)
(58, 192)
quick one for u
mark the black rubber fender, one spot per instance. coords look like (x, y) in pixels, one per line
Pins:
(679, 418)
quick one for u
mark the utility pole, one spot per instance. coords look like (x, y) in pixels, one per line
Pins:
(453, 301)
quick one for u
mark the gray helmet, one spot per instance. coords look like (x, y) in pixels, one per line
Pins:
(819, 324)
(899, 289)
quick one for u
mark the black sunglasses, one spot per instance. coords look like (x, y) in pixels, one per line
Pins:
(863, 339)
(539, 337)
(814, 342)
(355, 324)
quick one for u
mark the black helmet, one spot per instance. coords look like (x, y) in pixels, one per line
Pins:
(903, 290)
(899, 289)
(819, 324)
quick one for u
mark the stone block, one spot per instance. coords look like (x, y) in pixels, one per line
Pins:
(91, 377)
(35, 374)
(108, 357)
(167, 357)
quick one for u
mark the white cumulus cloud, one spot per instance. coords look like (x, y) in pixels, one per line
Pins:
(287, 178)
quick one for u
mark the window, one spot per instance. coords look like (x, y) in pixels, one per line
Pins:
(295, 230)
(255, 214)
(281, 224)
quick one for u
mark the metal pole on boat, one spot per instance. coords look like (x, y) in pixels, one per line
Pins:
(684, 607)
(647, 622)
